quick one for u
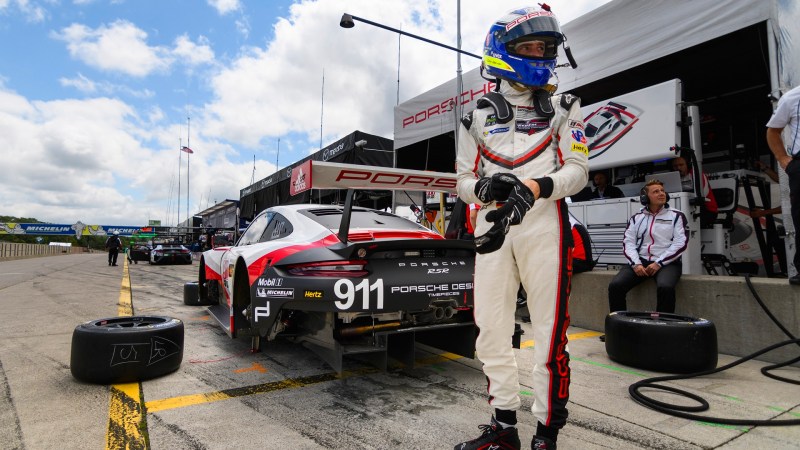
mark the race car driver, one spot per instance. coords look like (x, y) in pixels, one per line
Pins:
(519, 155)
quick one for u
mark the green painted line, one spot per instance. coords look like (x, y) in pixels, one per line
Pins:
(783, 410)
(439, 368)
(610, 367)
(720, 425)
(729, 397)
(528, 393)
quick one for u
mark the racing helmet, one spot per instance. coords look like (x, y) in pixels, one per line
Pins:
(523, 25)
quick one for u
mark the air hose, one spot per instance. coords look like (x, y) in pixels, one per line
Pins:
(686, 412)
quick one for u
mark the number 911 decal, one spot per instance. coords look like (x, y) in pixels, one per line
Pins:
(346, 291)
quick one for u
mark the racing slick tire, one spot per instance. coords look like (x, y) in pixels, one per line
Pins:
(126, 349)
(661, 342)
(191, 293)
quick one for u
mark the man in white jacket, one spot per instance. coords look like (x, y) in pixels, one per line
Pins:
(654, 240)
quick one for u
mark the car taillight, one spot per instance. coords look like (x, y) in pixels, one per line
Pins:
(329, 269)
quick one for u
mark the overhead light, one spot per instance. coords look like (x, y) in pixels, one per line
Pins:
(347, 21)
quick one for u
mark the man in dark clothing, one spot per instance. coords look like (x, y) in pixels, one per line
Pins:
(604, 190)
(113, 244)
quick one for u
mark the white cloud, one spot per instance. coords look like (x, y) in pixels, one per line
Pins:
(90, 160)
(88, 86)
(272, 91)
(225, 6)
(192, 54)
(100, 48)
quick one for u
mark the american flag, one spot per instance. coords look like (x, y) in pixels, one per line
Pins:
(186, 149)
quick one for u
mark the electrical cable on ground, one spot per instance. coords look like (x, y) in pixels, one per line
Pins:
(685, 411)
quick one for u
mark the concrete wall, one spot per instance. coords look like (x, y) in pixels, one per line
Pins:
(14, 250)
(742, 325)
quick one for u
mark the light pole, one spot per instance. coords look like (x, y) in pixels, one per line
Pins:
(348, 21)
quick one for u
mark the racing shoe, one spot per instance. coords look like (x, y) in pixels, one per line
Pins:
(542, 443)
(493, 436)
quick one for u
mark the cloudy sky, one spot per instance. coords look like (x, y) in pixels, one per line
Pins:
(98, 96)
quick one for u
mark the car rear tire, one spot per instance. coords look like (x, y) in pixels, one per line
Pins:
(661, 342)
(126, 349)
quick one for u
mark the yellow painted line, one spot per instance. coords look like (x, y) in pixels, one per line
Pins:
(153, 406)
(127, 421)
(572, 337)
(289, 383)
(125, 303)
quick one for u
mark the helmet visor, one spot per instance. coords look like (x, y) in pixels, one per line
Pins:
(545, 47)
(534, 24)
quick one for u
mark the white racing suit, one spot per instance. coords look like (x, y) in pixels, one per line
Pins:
(536, 252)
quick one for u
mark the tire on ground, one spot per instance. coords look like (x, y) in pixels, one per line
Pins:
(661, 342)
(126, 349)
(191, 293)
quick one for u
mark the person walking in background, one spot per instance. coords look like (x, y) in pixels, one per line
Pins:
(654, 240)
(113, 244)
(787, 115)
(523, 148)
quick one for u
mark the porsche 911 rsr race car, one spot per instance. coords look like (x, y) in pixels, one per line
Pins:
(343, 280)
(170, 254)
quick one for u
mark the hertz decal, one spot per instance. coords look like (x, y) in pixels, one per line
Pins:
(312, 294)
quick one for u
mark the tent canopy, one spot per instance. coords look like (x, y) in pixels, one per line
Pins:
(274, 189)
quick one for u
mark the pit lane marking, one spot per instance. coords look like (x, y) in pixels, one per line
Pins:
(289, 383)
(572, 337)
(153, 406)
(126, 420)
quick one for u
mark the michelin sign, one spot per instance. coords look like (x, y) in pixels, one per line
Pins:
(78, 229)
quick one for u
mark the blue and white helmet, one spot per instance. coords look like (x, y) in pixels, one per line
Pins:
(522, 25)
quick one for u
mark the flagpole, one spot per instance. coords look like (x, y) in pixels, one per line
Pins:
(180, 150)
(188, 156)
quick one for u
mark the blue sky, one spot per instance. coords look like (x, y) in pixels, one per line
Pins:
(96, 96)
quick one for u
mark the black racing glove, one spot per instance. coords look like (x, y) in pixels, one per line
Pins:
(494, 238)
(520, 201)
(495, 188)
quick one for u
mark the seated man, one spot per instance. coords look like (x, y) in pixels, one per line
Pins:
(708, 210)
(654, 240)
(602, 189)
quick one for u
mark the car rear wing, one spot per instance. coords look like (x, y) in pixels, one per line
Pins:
(329, 175)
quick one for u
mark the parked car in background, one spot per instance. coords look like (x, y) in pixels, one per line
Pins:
(139, 252)
(170, 254)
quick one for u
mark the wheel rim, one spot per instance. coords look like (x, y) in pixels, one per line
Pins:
(661, 317)
(129, 322)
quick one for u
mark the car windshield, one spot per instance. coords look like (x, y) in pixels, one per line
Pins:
(331, 218)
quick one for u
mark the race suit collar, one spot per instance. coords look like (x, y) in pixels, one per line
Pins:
(515, 96)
